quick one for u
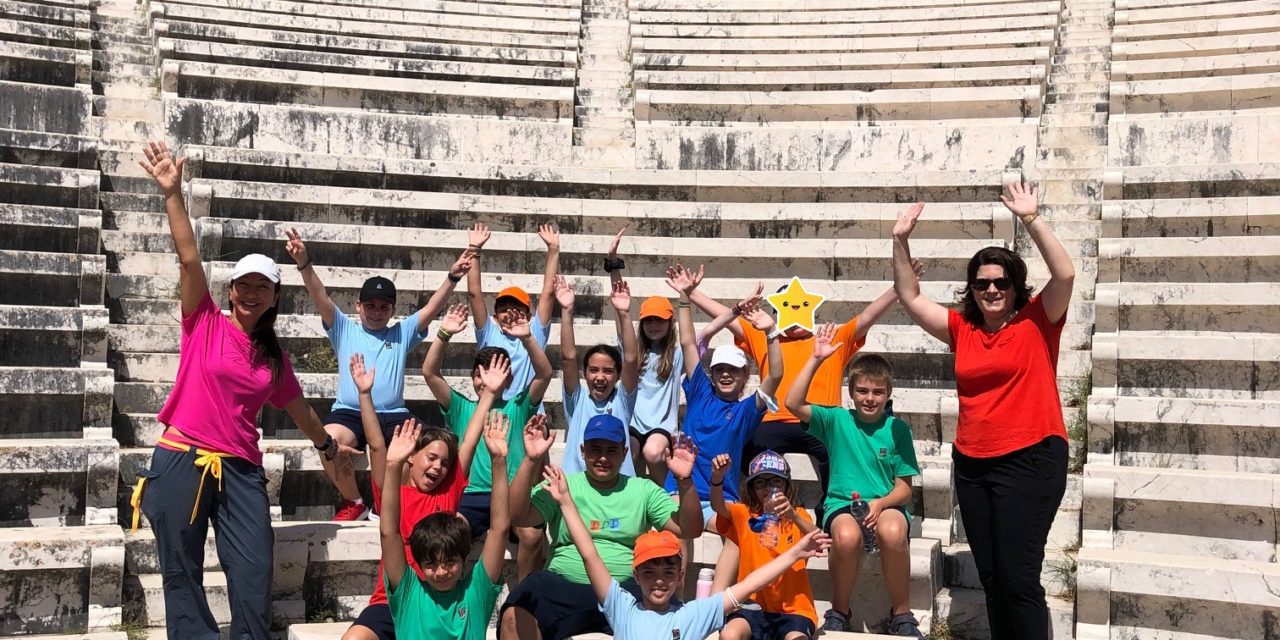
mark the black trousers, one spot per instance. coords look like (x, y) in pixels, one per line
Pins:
(1008, 504)
(789, 437)
(240, 513)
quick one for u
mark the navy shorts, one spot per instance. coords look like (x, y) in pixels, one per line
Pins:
(377, 618)
(766, 625)
(831, 517)
(563, 609)
(351, 420)
(475, 508)
(644, 437)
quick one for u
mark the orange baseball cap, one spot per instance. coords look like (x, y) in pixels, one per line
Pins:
(516, 293)
(654, 545)
(656, 307)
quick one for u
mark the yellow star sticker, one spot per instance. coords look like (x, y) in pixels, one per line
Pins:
(795, 306)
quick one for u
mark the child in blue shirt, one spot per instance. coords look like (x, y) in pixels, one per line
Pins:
(384, 346)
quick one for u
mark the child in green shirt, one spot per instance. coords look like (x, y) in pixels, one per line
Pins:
(447, 603)
(873, 455)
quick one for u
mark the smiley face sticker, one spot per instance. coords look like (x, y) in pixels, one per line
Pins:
(795, 306)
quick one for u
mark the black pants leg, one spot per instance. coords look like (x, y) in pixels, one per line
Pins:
(246, 546)
(1008, 504)
(790, 437)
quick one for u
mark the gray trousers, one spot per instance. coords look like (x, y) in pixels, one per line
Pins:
(241, 520)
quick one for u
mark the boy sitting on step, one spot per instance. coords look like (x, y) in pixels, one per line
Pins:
(447, 601)
(659, 570)
(873, 455)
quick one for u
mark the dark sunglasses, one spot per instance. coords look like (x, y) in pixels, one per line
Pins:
(982, 284)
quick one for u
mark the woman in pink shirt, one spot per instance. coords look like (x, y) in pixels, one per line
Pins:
(207, 466)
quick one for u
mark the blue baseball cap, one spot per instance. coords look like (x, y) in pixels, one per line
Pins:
(605, 427)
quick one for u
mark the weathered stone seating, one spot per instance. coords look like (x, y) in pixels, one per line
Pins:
(52, 229)
(68, 16)
(18, 147)
(44, 64)
(287, 58)
(884, 60)
(912, 25)
(58, 579)
(663, 12)
(45, 108)
(58, 483)
(214, 81)
(824, 80)
(1024, 37)
(475, 15)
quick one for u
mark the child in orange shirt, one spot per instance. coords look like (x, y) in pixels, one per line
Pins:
(786, 610)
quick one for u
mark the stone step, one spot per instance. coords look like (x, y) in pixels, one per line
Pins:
(145, 51)
(82, 568)
(133, 92)
(52, 336)
(961, 572)
(1073, 119)
(59, 483)
(49, 402)
(51, 279)
(1207, 434)
(1071, 157)
(49, 186)
(132, 201)
(126, 57)
(603, 136)
(113, 37)
(144, 599)
(1157, 306)
(38, 228)
(1193, 217)
(965, 612)
(330, 630)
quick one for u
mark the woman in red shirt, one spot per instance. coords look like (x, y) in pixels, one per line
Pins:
(1010, 452)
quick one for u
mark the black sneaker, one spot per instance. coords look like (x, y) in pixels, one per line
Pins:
(905, 624)
(835, 621)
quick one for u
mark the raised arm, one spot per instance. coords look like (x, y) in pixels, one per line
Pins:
(494, 377)
(597, 572)
(782, 507)
(520, 329)
(495, 543)
(1022, 200)
(719, 466)
(537, 442)
(769, 382)
(872, 313)
(454, 322)
(728, 320)
(931, 316)
(824, 346)
(621, 301)
(440, 298)
(713, 308)
(297, 250)
(167, 172)
(684, 282)
(687, 523)
(394, 562)
(814, 543)
(476, 237)
(568, 348)
(615, 275)
(364, 379)
(551, 238)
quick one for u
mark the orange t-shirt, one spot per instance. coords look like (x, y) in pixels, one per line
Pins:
(1007, 382)
(828, 381)
(791, 592)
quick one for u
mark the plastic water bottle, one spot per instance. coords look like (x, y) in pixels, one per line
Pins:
(860, 509)
(705, 576)
(769, 532)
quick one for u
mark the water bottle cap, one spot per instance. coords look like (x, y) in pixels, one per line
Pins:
(856, 495)
(706, 574)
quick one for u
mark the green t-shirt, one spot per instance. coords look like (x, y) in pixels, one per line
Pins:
(463, 612)
(864, 457)
(615, 517)
(517, 409)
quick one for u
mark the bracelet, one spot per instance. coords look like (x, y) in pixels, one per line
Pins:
(303, 267)
(473, 246)
(733, 600)
(718, 484)
(1026, 222)
(443, 335)
(737, 309)
(683, 304)
(454, 279)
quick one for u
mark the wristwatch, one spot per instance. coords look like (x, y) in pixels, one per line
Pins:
(614, 264)
(329, 449)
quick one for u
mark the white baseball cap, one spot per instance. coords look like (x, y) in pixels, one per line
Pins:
(256, 263)
(730, 355)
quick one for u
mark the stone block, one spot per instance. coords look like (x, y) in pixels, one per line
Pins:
(965, 612)
(59, 483)
(843, 29)
(44, 108)
(48, 186)
(1193, 217)
(1161, 306)
(849, 60)
(48, 149)
(49, 229)
(55, 402)
(43, 64)
(61, 579)
(52, 336)
(18, 30)
(1020, 37)
(827, 80)
(1210, 434)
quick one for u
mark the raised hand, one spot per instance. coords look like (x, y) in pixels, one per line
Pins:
(781, 506)
(683, 455)
(295, 247)
(557, 486)
(917, 267)
(720, 466)
(361, 376)
(494, 376)
(759, 318)
(814, 543)
(477, 236)
(455, 319)
(1021, 198)
(549, 236)
(517, 324)
(682, 279)
(752, 300)
(537, 437)
(824, 344)
(621, 297)
(403, 442)
(495, 433)
(617, 240)
(162, 167)
(564, 292)
(463, 264)
(907, 221)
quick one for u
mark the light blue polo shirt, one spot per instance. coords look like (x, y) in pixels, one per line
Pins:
(580, 408)
(385, 350)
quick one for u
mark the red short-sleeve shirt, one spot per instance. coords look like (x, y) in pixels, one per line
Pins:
(1007, 382)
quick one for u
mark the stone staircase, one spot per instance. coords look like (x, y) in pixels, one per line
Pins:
(604, 106)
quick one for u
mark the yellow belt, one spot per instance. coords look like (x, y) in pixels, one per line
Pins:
(210, 461)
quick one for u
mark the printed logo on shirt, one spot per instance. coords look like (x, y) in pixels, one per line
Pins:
(612, 524)
(884, 453)
(462, 611)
